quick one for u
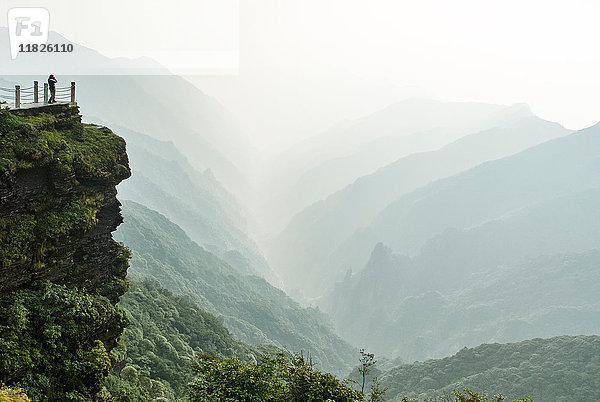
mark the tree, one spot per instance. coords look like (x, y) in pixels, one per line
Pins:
(277, 378)
(377, 392)
(51, 342)
(367, 360)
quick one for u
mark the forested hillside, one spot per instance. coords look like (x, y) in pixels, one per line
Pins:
(165, 335)
(557, 369)
(254, 311)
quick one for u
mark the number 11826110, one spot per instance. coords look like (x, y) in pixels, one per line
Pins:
(46, 48)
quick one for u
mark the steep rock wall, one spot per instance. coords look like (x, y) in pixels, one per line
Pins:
(58, 203)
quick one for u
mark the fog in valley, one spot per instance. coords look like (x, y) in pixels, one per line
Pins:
(409, 178)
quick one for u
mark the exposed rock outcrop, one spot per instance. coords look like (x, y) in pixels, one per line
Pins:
(58, 203)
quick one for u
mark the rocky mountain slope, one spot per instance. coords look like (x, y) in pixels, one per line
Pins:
(61, 272)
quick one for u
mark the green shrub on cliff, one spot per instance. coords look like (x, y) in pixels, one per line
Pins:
(47, 220)
(52, 342)
(57, 185)
(82, 152)
(69, 154)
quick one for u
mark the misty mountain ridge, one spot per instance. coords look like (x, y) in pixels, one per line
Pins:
(163, 179)
(527, 268)
(323, 164)
(549, 170)
(531, 297)
(370, 194)
(81, 61)
(414, 228)
(490, 191)
(166, 107)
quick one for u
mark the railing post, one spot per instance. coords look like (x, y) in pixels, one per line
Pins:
(17, 96)
(45, 93)
(72, 91)
(35, 92)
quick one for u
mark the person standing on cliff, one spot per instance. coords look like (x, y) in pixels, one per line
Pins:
(52, 84)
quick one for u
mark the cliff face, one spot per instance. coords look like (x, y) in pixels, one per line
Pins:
(61, 273)
(58, 202)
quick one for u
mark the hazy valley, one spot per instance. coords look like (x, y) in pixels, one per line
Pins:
(156, 247)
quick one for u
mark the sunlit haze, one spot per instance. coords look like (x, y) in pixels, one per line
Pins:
(542, 53)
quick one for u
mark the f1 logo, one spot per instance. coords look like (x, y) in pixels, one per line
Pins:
(27, 26)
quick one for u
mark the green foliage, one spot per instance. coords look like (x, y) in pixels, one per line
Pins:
(377, 391)
(129, 387)
(17, 233)
(254, 311)
(367, 360)
(85, 152)
(164, 335)
(303, 383)
(9, 394)
(52, 342)
(233, 380)
(44, 224)
(469, 396)
(68, 156)
(271, 379)
(564, 368)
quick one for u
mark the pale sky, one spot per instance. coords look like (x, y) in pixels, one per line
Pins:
(544, 53)
(541, 52)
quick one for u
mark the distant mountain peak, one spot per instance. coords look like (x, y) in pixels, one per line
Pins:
(380, 251)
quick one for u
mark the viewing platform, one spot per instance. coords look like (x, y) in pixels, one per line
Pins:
(63, 109)
(29, 97)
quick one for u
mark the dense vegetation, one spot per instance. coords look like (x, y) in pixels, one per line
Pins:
(53, 342)
(467, 396)
(77, 150)
(38, 231)
(254, 311)
(271, 379)
(8, 394)
(556, 369)
(164, 336)
(56, 175)
(69, 153)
